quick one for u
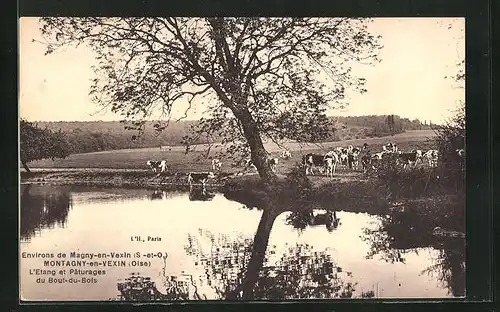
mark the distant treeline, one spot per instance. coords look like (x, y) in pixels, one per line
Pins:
(93, 136)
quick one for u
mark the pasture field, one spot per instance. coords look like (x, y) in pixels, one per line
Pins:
(180, 162)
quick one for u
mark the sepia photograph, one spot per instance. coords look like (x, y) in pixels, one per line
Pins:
(241, 158)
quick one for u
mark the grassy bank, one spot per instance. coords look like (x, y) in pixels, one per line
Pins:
(115, 178)
(197, 160)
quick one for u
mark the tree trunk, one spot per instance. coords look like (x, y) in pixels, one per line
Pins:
(258, 153)
(256, 261)
(25, 166)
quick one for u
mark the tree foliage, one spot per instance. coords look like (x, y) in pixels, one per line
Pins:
(37, 143)
(272, 77)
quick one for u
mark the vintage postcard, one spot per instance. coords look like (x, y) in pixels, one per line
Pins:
(171, 159)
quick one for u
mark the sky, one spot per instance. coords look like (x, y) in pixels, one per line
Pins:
(410, 81)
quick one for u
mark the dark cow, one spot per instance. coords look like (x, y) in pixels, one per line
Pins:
(365, 156)
(409, 158)
(199, 177)
(344, 158)
(310, 160)
(355, 155)
(273, 163)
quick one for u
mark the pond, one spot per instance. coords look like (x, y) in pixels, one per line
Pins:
(180, 246)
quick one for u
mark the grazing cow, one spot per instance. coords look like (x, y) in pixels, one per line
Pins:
(216, 164)
(390, 147)
(408, 158)
(310, 160)
(157, 166)
(286, 154)
(199, 177)
(378, 156)
(432, 157)
(273, 163)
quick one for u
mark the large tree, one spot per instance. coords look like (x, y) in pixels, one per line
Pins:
(261, 78)
(37, 143)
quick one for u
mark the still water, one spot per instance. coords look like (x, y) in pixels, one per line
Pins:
(199, 249)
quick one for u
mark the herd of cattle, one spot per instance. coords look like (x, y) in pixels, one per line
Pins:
(352, 158)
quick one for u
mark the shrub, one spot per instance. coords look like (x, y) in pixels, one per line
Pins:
(449, 138)
(410, 182)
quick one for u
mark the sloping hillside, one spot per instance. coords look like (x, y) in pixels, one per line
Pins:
(95, 136)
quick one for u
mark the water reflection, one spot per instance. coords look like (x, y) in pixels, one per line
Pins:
(301, 272)
(158, 194)
(43, 207)
(200, 194)
(218, 250)
(304, 218)
(408, 228)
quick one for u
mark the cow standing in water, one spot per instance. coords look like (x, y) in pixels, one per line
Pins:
(199, 177)
(157, 166)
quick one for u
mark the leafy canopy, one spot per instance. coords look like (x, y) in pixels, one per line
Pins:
(37, 143)
(274, 77)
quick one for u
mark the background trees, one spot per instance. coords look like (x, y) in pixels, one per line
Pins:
(37, 143)
(272, 77)
(94, 136)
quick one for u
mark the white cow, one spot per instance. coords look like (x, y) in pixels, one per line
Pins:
(286, 154)
(216, 164)
(249, 164)
(331, 159)
(157, 166)
(432, 157)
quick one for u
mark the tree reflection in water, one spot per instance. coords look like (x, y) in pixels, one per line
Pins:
(300, 273)
(409, 228)
(42, 207)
